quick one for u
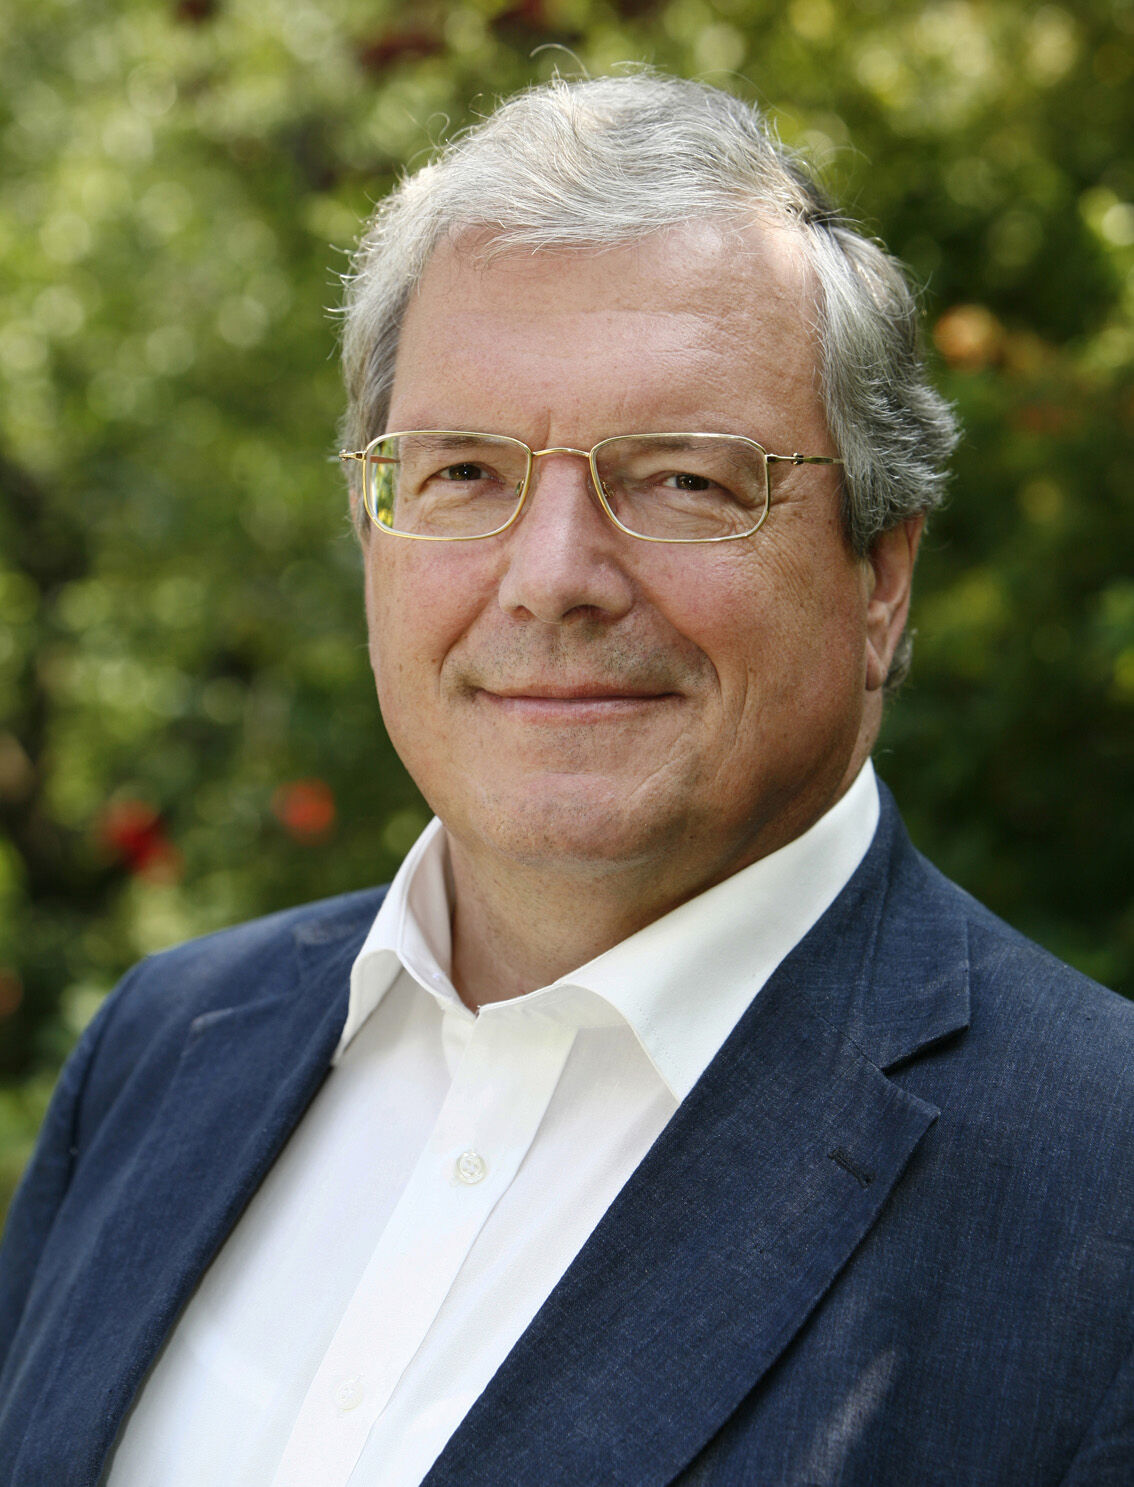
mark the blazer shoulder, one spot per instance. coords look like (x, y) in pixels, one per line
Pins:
(322, 919)
(238, 962)
(1030, 981)
(1031, 988)
(147, 1016)
(1043, 1074)
(325, 919)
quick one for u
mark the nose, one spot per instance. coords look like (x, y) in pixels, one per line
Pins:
(565, 558)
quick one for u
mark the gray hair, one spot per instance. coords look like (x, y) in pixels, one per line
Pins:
(599, 162)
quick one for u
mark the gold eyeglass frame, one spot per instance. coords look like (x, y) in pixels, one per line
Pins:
(363, 455)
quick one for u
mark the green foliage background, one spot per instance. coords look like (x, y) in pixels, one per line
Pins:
(188, 732)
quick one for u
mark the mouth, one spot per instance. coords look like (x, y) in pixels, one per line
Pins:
(581, 702)
(577, 691)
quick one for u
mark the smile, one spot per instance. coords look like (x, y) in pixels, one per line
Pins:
(558, 705)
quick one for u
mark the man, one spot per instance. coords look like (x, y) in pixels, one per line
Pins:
(671, 1120)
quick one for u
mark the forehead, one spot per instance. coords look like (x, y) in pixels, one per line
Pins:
(696, 327)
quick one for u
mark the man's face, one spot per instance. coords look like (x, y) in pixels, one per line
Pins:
(569, 698)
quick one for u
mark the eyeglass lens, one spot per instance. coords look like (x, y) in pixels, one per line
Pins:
(684, 487)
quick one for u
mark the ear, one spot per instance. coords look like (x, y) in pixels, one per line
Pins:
(891, 565)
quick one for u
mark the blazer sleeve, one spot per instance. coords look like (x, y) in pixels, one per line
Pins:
(1105, 1457)
(48, 1175)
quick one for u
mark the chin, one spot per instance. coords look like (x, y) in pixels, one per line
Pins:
(571, 822)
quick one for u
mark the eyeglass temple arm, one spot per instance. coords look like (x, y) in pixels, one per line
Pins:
(802, 459)
(361, 456)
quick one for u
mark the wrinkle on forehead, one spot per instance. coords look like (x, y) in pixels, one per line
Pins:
(670, 318)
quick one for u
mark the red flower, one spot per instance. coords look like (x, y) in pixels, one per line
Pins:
(305, 809)
(134, 832)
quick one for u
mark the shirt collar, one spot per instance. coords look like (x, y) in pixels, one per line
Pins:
(410, 930)
(681, 984)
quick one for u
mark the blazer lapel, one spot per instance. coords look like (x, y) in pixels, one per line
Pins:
(740, 1218)
(245, 1076)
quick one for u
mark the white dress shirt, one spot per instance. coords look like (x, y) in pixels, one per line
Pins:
(446, 1175)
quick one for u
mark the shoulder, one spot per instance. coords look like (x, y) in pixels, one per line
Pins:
(1028, 1003)
(292, 966)
(241, 963)
(260, 942)
(1035, 1094)
(149, 1013)
(1018, 1200)
(1019, 995)
(1012, 1046)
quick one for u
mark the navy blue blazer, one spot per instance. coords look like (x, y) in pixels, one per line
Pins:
(887, 1239)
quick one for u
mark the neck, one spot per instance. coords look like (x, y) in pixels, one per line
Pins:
(514, 931)
(519, 925)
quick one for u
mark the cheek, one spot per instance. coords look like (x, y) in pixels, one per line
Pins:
(780, 630)
(396, 642)
(738, 609)
(420, 602)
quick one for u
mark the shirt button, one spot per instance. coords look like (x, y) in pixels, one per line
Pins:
(471, 1167)
(348, 1393)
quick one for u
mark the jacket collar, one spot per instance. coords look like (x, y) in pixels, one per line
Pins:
(890, 966)
(744, 1212)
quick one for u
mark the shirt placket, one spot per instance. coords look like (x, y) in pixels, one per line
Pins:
(499, 1095)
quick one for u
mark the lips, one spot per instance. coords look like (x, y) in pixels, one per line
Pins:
(585, 704)
(576, 692)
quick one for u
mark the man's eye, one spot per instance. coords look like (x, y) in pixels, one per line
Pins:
(465, 471)
(683, 481)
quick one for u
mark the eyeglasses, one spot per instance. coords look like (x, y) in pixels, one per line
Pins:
(447, 486)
